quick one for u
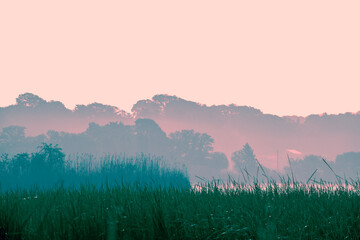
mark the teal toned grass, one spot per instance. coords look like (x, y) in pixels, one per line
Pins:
(139, 198)
(210, 211)
(85, 169)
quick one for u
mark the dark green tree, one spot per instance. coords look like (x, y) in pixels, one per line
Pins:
(20, 164)
(49, 157)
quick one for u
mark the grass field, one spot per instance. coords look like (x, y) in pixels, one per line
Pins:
(120, 197)
(207, 212)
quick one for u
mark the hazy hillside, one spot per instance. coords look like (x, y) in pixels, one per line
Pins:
(272, 137)
(39, 116)
(232, 126)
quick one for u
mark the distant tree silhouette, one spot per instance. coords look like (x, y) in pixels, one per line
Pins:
(150, 138)
(189, 143)
(347, 165)
(12, 134)
(12, 138)
(245, 159)
(49, 157)
(304, 168)
(29, 100)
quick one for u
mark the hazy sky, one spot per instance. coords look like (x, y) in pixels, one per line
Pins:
(283, 57)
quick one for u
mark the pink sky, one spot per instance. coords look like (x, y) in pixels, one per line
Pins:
(283, 57)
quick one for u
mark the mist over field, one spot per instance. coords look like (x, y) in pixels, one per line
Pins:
(179, 120)
(210, 141)
(175, 169)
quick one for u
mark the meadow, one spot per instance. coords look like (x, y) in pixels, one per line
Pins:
(167, 207)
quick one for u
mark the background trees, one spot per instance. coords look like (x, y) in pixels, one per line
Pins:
(245, 159)
(190, 143)
(50, 156)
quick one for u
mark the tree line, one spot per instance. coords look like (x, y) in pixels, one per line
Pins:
(187, 148)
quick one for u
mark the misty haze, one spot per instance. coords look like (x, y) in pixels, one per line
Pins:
(179, 120)
(98, 172)
(209, 141)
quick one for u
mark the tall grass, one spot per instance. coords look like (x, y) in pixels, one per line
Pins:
(84, 169)
(120, 197)
(210, 211)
